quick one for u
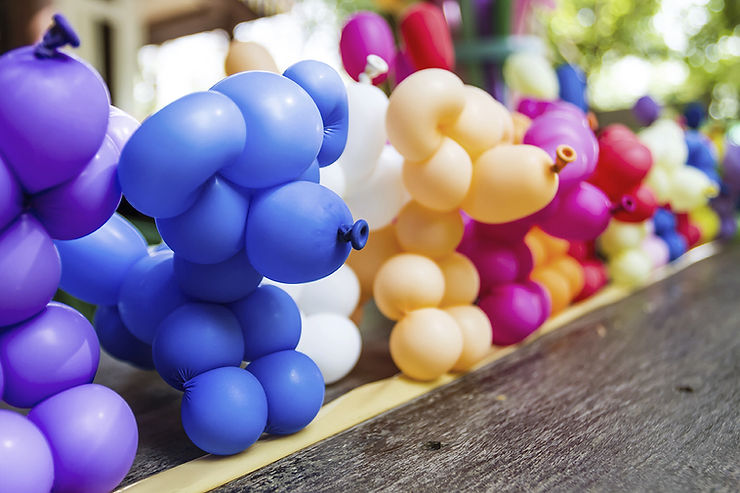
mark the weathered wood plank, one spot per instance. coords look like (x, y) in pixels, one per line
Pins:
(643, 395)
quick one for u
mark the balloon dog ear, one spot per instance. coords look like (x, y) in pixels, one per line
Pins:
(327, 90)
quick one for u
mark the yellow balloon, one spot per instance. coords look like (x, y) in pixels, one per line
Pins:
(665, 139)
(631, 267)
(462, 282)
(427, 232)
(708, 222)
(718, 139)
(537, 248)
(426, 344)
(243, 56)
(553, 247)
(690, 189)
(510, 182)
(476, 332)
(419, 108)
(356, 316)
(484, 123)
(659, 182)
(556, 284)
(381, 245)
(440, 182)
(521, 125)
(620, 236)
(572, 270)
(407, 282)
(530, 74)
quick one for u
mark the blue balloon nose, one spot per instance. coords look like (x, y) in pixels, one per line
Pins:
(356, 234)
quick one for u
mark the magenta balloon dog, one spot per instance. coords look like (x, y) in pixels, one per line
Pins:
(579, 211)
(515, 305)
(563, 123)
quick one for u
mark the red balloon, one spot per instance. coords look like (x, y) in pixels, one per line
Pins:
(616, 131)
(642, 205)
(582, 250)
(623, 162)
(595, 277)
(690, 231)
(427, 37)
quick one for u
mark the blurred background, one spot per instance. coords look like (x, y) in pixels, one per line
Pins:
(151, 52)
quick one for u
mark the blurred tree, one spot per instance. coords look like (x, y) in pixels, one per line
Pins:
(698, 39)
(346, 7)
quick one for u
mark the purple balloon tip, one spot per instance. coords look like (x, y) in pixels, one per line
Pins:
(646, 110)
(58, 35)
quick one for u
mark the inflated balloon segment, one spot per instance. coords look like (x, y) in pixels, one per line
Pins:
(60, 141)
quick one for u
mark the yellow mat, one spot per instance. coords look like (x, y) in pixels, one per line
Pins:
(361, 404)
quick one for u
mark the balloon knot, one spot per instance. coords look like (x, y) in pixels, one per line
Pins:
(356, 234)
(626, 204)
(59, 34)
(593, 122)
(564, 155)
(374, 67)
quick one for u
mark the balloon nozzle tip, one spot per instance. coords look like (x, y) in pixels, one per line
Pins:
(374, 67)
(626, 204)
(593, 122)
(564, 155)
(59, 34)
(356, 234)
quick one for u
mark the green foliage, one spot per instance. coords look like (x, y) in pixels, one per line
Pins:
(596, 33)
(346, 7)
(86, 309)
(587, 31)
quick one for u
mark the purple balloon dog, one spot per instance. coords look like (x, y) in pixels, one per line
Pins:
(58, 155)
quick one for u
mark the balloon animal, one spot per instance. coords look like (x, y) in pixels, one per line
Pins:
(231, 176)
(60, 142)
(510, 256)
(456, 141)
(624, 163)
(427, 43)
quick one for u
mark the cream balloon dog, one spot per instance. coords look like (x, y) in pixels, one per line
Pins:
(457, 145)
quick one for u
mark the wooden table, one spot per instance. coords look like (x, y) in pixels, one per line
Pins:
(641, 395)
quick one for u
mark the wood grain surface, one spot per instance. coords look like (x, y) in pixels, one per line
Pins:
(642, 395)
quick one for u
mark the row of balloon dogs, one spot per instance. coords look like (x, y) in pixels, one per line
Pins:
(477, 224)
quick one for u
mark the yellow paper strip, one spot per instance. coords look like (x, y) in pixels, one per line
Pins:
(363, 403)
